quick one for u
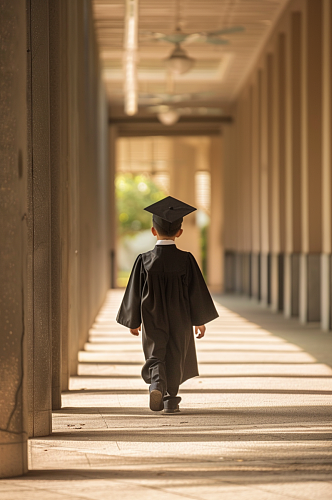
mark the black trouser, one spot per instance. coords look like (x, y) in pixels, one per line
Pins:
(154, 373)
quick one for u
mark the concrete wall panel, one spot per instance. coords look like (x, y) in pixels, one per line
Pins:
(13, 241)
(39, 221)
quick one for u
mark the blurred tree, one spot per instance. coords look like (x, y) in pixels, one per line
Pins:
(133, 194)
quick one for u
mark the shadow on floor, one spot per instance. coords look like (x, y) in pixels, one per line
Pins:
(310, 338)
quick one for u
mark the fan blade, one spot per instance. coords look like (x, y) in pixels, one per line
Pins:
(225, 31)
(174, 38)
(216, 41)
(160, 37)
(194, 37)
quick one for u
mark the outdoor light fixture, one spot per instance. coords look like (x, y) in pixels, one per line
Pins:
(179, 62)
(168, 117)
(130, 57)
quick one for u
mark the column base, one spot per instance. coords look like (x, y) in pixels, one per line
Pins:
(255, 275)
(238, 272)
(40, 423)
(291, 284)
(229, 271)
(15, 461)
(310, 288)
(277, 281)
(246, 273)
(326, 292)
(265, 279)
(243, 273)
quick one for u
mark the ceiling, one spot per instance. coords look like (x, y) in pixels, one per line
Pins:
(219, 70)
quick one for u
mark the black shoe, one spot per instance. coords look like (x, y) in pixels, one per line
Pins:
(156, 400)
(172, 410)
(171, 405)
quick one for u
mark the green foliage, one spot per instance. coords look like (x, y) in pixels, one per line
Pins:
(133, 193)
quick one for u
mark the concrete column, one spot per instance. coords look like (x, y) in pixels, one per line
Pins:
(293, 161)
(73, 189)
(229, 206)
(255, 191)
(246, 194)
(265, 83)
(215, 259)
(326, 267)
(13, 241)
(239, 183)
(278, 175)
(39, 222)
(113, 243)
(311, 162)
(58, 162)
(88, 179)
(93, 177)
(86, 184)
(183, 187)
(243, 193)
(63, 182)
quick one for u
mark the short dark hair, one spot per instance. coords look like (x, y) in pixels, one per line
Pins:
(162, 232)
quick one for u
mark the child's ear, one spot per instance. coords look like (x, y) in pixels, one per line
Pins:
(178, 234)
(153, 231)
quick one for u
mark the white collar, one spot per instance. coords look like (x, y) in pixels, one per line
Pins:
(165, 242)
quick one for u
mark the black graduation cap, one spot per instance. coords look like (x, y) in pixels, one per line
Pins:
(169, 212)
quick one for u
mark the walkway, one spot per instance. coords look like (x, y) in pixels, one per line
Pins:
(255, 425)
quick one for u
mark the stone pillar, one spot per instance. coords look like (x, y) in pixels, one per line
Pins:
(73, 189)
(215, 259)
(13, 241)
(265, 79)
(58, 162)
(326, 267)
(238, 192)
(293, 161)
(86, 182)
(246, 193)
(229, 208)
(311, 162)
(278, 175)
(183, 187)
(113, 222)
(39, 222)
(61, 96)
(255, 191)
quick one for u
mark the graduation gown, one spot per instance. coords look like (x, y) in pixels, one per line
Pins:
(167, 295)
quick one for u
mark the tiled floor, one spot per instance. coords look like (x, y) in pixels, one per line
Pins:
(255, 425)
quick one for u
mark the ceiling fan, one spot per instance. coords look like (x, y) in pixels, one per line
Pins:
(178, 61)
(211, 37)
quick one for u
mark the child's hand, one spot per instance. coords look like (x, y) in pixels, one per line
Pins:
(200, 331)
(135, 331)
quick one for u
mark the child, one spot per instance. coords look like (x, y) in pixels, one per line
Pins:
(165, 297)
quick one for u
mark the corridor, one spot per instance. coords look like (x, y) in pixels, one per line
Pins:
(255, 424)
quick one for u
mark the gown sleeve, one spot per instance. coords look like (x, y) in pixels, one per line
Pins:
(202, 309)
(129, 314)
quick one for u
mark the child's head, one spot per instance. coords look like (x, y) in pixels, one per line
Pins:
(174, 232)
